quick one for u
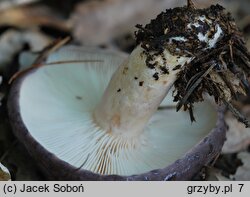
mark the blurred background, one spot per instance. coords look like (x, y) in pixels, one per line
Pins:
(27, 26)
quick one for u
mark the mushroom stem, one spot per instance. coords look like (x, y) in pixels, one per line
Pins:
(135, 91)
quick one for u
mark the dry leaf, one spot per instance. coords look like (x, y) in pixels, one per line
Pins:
(30, 16)
(4, 173)
(243, 172)
(99, 22)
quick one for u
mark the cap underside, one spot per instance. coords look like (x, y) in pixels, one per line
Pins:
(56, 106)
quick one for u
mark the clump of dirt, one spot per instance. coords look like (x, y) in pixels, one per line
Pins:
(220, 62)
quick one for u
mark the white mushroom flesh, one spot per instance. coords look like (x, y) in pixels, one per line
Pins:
(133, 94)
(205, 37)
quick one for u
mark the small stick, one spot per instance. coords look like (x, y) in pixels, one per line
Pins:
(54, 46)
(166, 107)
(237, 114)
(190, 91)
(215, 159)
(72, 62)
(197, 75)
(44, 54)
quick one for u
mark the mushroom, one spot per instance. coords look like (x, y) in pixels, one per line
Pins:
(97, 115)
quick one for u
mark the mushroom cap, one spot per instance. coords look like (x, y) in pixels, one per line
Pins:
(51, 113)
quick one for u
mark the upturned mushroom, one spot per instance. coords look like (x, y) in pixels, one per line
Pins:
(97, 115)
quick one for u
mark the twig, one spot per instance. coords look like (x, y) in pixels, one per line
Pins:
(166, 107)
(237, 114)
(44, 54)
(192, 88)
